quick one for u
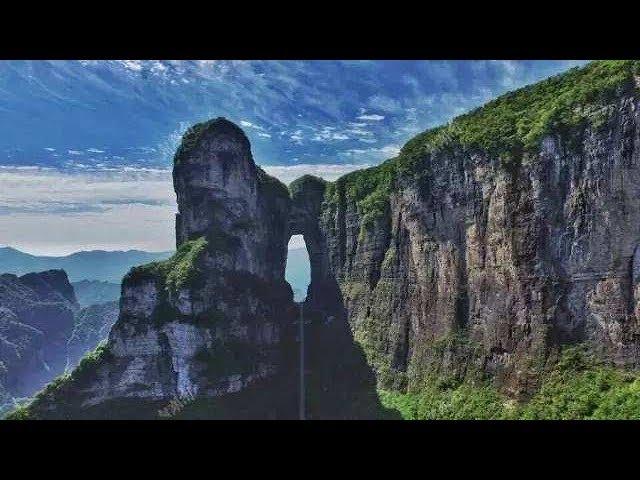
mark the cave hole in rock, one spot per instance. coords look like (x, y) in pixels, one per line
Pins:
(298, 270)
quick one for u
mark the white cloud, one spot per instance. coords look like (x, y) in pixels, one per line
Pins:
(372, 117)
(49, 149)
(384, 103)
(264, 135)
(75, 152)
(380, 153)
(247, 124)
(119, 209)
(94, 150)
(296, 242)
(134, 65)
(340, 136)
(328, 134)
(330, 172)
(296, 137)
(360, 131)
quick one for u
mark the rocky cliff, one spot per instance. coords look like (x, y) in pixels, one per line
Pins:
(476, 255)
(36, 318)
(491, 242)
(217, 320)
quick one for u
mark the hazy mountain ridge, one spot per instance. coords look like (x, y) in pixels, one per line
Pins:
(92, 292)
(109, 266)
(91, 326)
(298, 272)
(44, 330)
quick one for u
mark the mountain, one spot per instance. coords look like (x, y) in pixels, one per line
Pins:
(216, 323)
(490, 270)
(36, 318)
(91, 292)
(44, 330)
(91, 265)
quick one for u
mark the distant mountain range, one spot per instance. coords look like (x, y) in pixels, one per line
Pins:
(92, 265)
(91, 292)
(96, 274)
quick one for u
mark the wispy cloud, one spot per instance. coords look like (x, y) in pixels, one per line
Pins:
(50, 212)
(111, 209)
(374, 117)
(376, 153)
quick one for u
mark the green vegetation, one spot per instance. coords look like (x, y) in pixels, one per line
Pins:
(306, 183)
(582, 388)
(507, 128)
(91, 359)
(271, 185)
(369, 189)
(518, 120)
(462, 403)
(55, 389)
(176, 271)
(579, 387)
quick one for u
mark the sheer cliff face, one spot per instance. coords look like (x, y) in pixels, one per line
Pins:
(209, 321)
(225, 197)
(481, 268)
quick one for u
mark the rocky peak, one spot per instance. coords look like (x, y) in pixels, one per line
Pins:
(51, 284)
(217, 320)
(214, 176)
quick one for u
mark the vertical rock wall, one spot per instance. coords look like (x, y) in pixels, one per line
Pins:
(482, 270)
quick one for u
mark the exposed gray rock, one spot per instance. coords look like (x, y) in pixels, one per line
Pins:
(36, 318)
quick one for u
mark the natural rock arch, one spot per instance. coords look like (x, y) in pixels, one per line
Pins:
(213, 328)
(307, 194)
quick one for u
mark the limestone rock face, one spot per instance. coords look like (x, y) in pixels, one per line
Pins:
(479, 271)
(210, 320)
(92, 326)
(36, 318)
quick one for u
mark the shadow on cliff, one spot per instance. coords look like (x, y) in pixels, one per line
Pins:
(340, 384)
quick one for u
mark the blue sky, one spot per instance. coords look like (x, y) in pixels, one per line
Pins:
(87, 146)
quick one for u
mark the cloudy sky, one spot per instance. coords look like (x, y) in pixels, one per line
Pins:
(86, 151)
